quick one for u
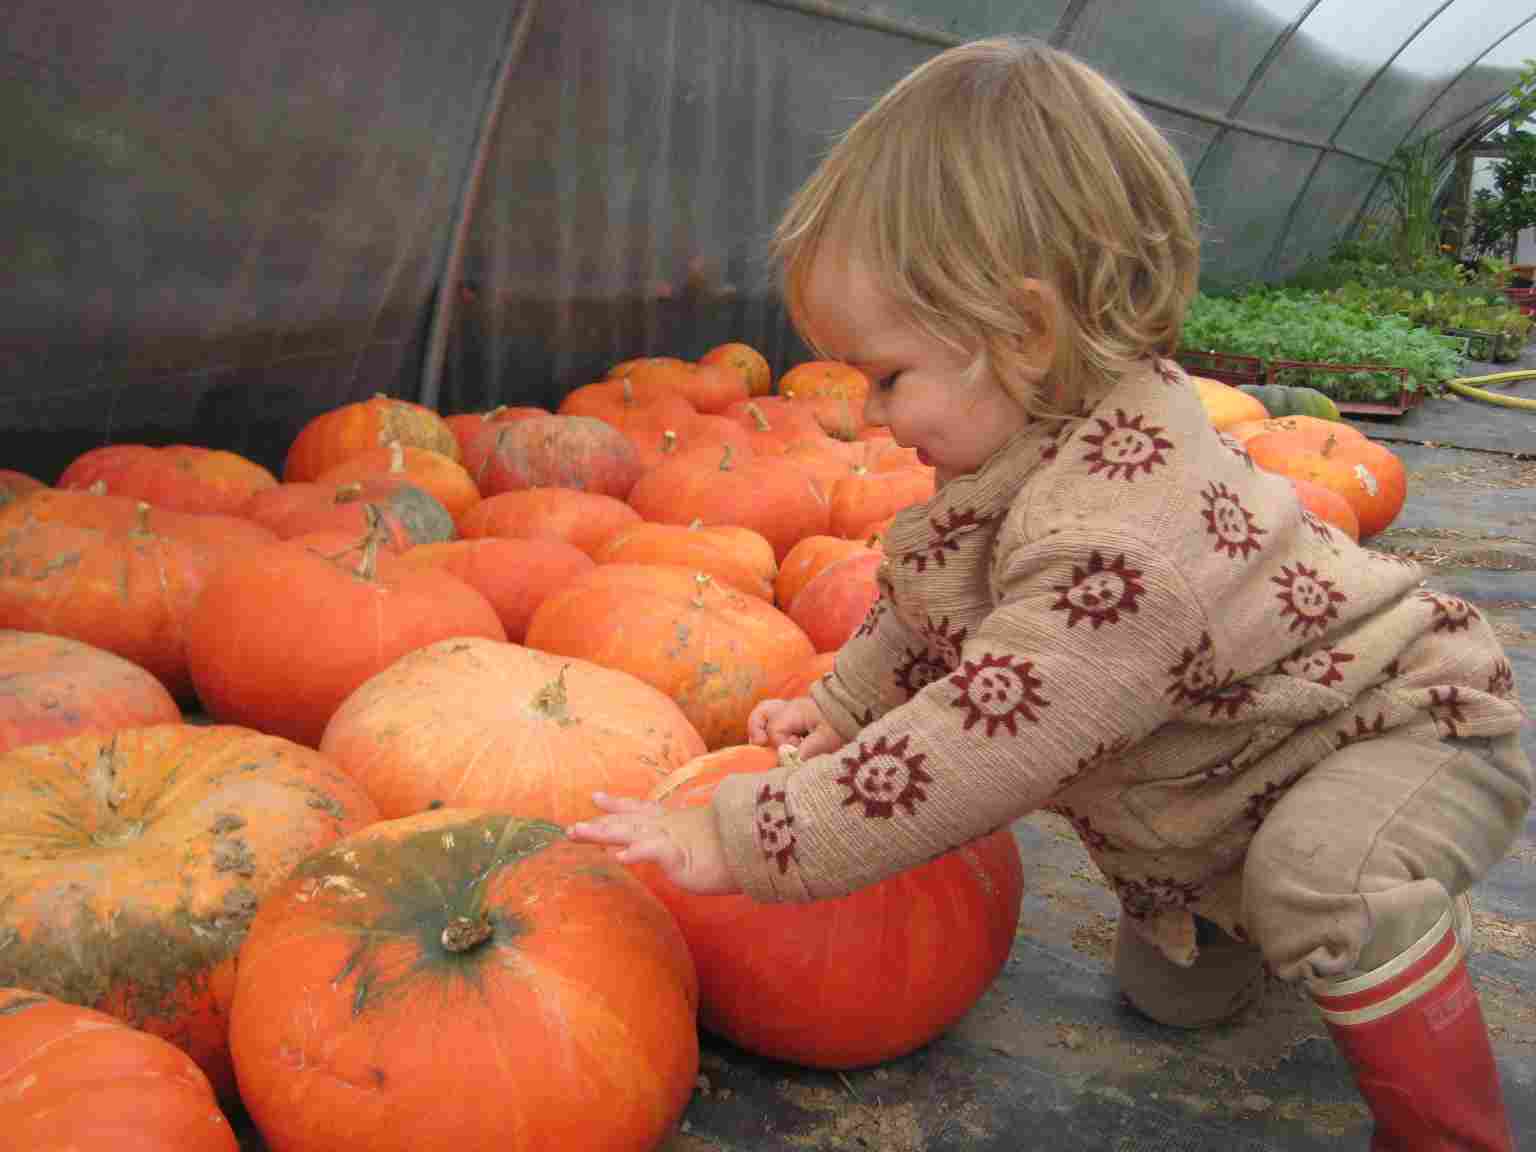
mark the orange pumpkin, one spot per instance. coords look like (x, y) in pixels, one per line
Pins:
(799, 680)
(643, 409)
(1226, 405)
(128, 591)
(183, 477)
(74, 1078)
(730, 554)
(835, 392)
(579, 452)
(281, 637)
(464, 980)
(406, 514)
(1366, 474)
(131, 863)
(584, 519)
(384, 470)
(771, 496)
(850, 981)
(745, 360)
(833, 603)
(710, 648)
(335, 435)
(773, 423)
(864, 498)
(806, 559)
(710, 388)
(470, 723)
(56, 687)
(467, 425)
(513, 575)
(1327, 505)
(1306, 431)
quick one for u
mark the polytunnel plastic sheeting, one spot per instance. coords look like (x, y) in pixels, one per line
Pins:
(223, 219)
(641, 162)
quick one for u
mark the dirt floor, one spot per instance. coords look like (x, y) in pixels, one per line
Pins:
(1051, 1057)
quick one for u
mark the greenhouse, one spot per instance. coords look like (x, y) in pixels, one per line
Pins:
(375, 363)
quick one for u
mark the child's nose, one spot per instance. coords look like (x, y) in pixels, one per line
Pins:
(874, 407)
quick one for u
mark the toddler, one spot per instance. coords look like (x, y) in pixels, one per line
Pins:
(1279, 748)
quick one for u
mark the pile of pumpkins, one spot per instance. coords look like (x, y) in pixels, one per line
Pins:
(285, 763)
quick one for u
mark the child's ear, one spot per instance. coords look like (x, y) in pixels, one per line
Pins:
(1037, 306)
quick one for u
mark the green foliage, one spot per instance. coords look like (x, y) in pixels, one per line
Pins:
(1413, 180)
(1280, 325)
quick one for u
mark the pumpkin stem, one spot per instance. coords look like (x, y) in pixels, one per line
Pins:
(462, 933)
(349, 493)
(627, 391)
(758, 418)
(552, 700)
(368, 567)
(488, 417)
(99, 488)
(141, 520)
(1328, 444)
(396, 457)
(725, 459)
(668, 442)
(696, 524)
(701, 581)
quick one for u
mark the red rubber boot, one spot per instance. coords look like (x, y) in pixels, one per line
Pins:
(1413, 1032)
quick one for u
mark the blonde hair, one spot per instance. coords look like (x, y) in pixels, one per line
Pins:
(992, 162)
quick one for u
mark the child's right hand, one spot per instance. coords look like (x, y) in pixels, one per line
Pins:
(798, 722)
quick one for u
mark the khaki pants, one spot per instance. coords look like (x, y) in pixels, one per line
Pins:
(1357, 861)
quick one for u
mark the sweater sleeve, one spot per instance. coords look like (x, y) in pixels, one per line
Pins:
(865, 683)
(1095, 643)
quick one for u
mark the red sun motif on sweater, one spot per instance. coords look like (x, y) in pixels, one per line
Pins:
(871, 619)
(775, 827)
(1501, 681)
(1445, 707)
(1099, 591)
(945, 539)
(1321, 665)
(1194, 676)
(918, 670)
(1452, 613)
(1236, 531)
(945, 639)
(996, 691)
(884, 777)
(1308, 599)
(1123, 448)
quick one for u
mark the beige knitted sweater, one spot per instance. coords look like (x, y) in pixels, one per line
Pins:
(1121, 619)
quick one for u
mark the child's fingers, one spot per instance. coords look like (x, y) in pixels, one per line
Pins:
(658, 849)
(623, 804)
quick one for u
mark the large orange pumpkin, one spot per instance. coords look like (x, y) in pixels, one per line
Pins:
(712, 649)
(470, 723)
(55, 687)
(864, 497)
(14, 485)
(73, 1078)
(334, 435)
(584, 519)
(809, 557)
(729, 553)
(513, 575)
(128, 591)
(281, 637)
(774, 497)
(1366, 474)
(130, 866)
(833, 390)
(643, 409)
(406, 514)
(1327, 505)
(466, 426)
(1226, 405)
(464, 980)
(836, 601)
(850, 981)
(773, 423)
(183, 477)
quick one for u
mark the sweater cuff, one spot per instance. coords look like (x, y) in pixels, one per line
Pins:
(757, 830)
(834, 711)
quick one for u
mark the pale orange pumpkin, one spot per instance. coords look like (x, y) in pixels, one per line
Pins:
(746, 360)
(338, 433)
(1226, 405)
(513, 575)
(1368, 475)
(584, 519)
(729, 553)
(472, 723)
(836, 601)
(806, 559)
(381, 471)
(182, 477)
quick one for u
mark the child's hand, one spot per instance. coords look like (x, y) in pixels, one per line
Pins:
(684, 844)
(797, 722)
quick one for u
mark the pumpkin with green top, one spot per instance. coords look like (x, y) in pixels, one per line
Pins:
(464, 979)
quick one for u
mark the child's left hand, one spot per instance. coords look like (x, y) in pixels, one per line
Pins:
(684, 844)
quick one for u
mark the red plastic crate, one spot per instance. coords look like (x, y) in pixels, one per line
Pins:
(1223, 366)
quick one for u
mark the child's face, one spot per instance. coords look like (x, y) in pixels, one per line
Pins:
(919, 387)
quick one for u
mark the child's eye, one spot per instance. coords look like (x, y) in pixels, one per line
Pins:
(886, 383)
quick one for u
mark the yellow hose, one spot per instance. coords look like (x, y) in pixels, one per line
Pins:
(1466, 386)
